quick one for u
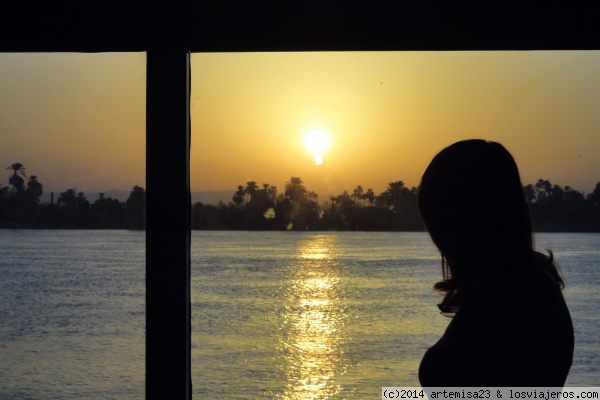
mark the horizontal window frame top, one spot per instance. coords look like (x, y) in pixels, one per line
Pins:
(169, 30)
(310, 25)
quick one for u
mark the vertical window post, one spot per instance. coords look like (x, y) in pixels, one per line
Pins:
(168, 343)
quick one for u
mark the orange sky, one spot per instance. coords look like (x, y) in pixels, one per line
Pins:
(387, 114)
(74, 120)
(78, 120)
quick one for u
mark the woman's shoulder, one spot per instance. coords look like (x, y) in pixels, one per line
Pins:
(513, 330)
(524, 311)
(529, 299)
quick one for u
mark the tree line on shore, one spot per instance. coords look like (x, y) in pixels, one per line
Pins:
(252, 207)
(20, 207)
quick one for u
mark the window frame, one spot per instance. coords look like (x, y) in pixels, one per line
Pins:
(169, 30)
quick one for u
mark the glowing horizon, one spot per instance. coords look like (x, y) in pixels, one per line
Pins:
(388, 113)
(78, 120)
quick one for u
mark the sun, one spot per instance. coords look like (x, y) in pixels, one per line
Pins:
(317, 142)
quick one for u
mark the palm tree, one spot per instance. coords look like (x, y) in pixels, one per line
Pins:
(343, 201)
(294, 189)
(357, 194)
(369, 195)
(34, 189)
(136, 207)
(272, 192)
(557, 193)
(594, 197)
(543, 189)
(395, 186)
(393, 194)
(68, 199)
(15, 179)
(238, 196)
(529, 191)
(267, 195)
(251, 190)
(295, 192)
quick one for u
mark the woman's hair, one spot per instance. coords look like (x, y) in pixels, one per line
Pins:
(473, 205)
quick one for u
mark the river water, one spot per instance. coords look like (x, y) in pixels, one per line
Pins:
(285, 315)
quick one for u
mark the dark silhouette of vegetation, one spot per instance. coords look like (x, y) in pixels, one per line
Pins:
(261, 207)
(558, 209)
(20, 207)
(554, 209)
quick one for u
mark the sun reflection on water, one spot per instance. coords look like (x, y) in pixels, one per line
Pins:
(313, 331)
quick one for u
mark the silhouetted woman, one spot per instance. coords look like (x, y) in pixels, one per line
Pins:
(511, 326)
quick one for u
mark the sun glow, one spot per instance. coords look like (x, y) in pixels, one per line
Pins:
(317, 142)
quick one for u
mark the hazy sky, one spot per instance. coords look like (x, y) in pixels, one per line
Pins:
(78, 120)
(74, 120)
(387, 114)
